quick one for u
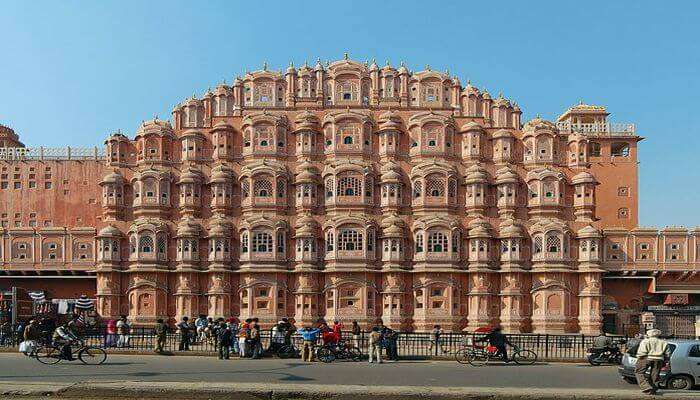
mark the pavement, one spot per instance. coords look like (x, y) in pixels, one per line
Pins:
(175, 377)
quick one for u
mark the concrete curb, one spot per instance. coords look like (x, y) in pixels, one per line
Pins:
(212, 354)
(257, 391)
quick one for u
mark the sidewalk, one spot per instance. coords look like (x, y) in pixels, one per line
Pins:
(256, 391)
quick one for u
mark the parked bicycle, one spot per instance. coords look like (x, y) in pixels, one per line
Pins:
(479, 357)
(89, 355)
(328, 353)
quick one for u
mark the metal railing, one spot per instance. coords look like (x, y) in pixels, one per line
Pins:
(51, 153)
(410, 345)
(606, 129)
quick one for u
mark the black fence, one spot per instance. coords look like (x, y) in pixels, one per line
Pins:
(410, 344)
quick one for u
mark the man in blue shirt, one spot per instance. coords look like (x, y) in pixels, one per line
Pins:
(310, 335)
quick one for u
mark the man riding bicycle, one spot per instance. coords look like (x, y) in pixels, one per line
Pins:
(64, 336)
(497, 339)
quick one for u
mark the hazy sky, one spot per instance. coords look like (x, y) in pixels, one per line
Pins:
(72, 72)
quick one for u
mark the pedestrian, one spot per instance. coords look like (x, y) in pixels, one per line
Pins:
(200, 325)
(255, 340)
(435, 339)
(309, 335)
(111, 338)
(375, 349)
(390, 340)
(161, 335)
(356, 334)
(233, 325)
(244, 337)
(291, 329)
(651, 354)
(5, 332)
(223, 338)
(123, 330)
(277, 336)
(184, 328)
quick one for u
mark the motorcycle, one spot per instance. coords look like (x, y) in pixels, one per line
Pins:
(607, 355)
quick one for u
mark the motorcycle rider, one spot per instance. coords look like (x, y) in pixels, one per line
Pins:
(602, 342)
(63, 336)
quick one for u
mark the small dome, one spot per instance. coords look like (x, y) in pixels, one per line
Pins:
(190, 175)
(538, 123)
(588, 231)
(582, 177)
(389, 121)
(188, 227)
(479, 227)
(192, 101)
(306, 121)
(476, 174)
(222, 126)
(222, 90)
(221, 173)
(472, 126)
(509, 228)
(113, 177)
(502, 133)
(155, 127)
(393, 231)
(219, 227)
(109, 231)
(506, 175)
(306, 173)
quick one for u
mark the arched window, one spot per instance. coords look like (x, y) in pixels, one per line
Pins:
(350, 240)
(349, 186)
(435, 187)
(419, 242)
(245, 188)
(330, 241)
(455, 242)
(537, 244)
(553, 243)
(244, 242)
(161, 245)
(262, 188)
(437, 242)
(280, 242)
(329, 188)
(146, 244)
(262, 242)
(417, 188)
(281, 187)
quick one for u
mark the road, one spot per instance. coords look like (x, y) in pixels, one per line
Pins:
(16, 367)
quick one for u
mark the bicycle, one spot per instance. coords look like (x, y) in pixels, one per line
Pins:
(328, 353)
(88, 355)
(479, 357)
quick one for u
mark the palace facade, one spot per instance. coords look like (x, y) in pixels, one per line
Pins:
(354, 192)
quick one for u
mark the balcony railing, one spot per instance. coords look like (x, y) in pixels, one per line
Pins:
(606, 129)
(51, 153)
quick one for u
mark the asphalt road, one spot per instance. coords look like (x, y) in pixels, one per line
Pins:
(16, 367)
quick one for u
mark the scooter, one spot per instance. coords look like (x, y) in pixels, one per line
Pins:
(607, 355)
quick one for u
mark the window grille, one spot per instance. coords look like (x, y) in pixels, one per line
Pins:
(262, 242)
(350, 240)
(437, 242)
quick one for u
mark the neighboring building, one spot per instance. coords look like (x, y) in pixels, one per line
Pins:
(353, 192)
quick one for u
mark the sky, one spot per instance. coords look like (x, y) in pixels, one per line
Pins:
(71, 72)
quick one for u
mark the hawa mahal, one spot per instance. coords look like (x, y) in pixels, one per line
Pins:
(348, 191)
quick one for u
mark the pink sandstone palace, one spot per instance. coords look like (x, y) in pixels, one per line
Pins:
(350, 191)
